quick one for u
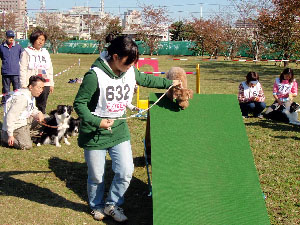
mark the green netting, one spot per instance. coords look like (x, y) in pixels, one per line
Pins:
(165, 48)
(91, 47)
(169, 48)
(79, 46)
(202, 166)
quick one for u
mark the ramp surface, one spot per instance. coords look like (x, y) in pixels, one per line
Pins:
(202, 165)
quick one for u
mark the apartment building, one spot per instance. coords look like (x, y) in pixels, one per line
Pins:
(74, 21)
(131, 17)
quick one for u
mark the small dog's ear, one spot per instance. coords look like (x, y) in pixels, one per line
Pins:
(59, 107)
(167, 75)
(52, 112)
(190, 93)
(70, 108)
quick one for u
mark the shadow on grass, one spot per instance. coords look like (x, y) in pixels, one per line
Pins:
(74, 174)
(138, 206)
(276, 126)
(166, 103)
(11, 186)
(139, 161)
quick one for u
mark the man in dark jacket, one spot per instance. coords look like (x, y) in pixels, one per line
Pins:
(10, 53)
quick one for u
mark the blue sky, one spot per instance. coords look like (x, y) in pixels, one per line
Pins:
(178, 9)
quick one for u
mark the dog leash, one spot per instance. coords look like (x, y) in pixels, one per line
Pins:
(46, 125)
(144, 110)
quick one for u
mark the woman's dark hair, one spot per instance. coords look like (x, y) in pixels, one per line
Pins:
(287, 71)
(34, 79)
(123, 46)
(252, 76)
(35, 35)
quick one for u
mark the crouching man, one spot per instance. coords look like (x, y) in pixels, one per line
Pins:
(19, 112)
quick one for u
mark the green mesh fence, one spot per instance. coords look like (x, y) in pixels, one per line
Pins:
(165, 48)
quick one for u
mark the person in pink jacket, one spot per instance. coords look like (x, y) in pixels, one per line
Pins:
(285, 89)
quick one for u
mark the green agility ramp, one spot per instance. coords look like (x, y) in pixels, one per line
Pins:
(202, 165)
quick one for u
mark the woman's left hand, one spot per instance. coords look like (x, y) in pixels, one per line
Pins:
(51, 89)
(291, 97)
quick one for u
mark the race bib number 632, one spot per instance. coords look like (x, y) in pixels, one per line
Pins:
(117, 93)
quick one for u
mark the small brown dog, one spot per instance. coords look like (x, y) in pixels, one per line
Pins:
(182, 95)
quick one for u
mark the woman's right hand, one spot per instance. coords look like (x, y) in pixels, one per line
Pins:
(11, 140)
(279, 102)
(106, 123)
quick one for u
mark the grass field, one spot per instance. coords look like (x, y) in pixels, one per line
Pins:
(47, 185)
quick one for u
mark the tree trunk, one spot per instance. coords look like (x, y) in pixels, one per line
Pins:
(256, 51)
(216, 53)
(286, 57)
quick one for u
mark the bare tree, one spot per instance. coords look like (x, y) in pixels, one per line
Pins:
(249, 36)
(7, 22)
(56, 35)
(154, 23)
(100, 27)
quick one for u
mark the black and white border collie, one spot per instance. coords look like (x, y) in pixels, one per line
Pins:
(292, 113)
(73, 129)
(287, 113)
(57, 126)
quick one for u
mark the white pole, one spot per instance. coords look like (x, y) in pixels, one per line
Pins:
(201, 11)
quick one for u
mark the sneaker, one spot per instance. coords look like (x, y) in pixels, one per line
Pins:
(98, 214)
(245, 117)
(115, 212)
(260, 116)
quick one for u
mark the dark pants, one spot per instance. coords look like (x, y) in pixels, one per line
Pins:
(6, 81)
(41, 101)
(252, 107)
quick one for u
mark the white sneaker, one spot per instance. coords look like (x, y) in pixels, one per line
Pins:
(115, 212)
(98, 214)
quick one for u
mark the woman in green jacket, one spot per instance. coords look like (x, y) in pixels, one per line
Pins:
(106, 90)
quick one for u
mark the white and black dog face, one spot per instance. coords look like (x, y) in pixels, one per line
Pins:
(64, 110)
(292, 113)
(57, 126)
(295, 107)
